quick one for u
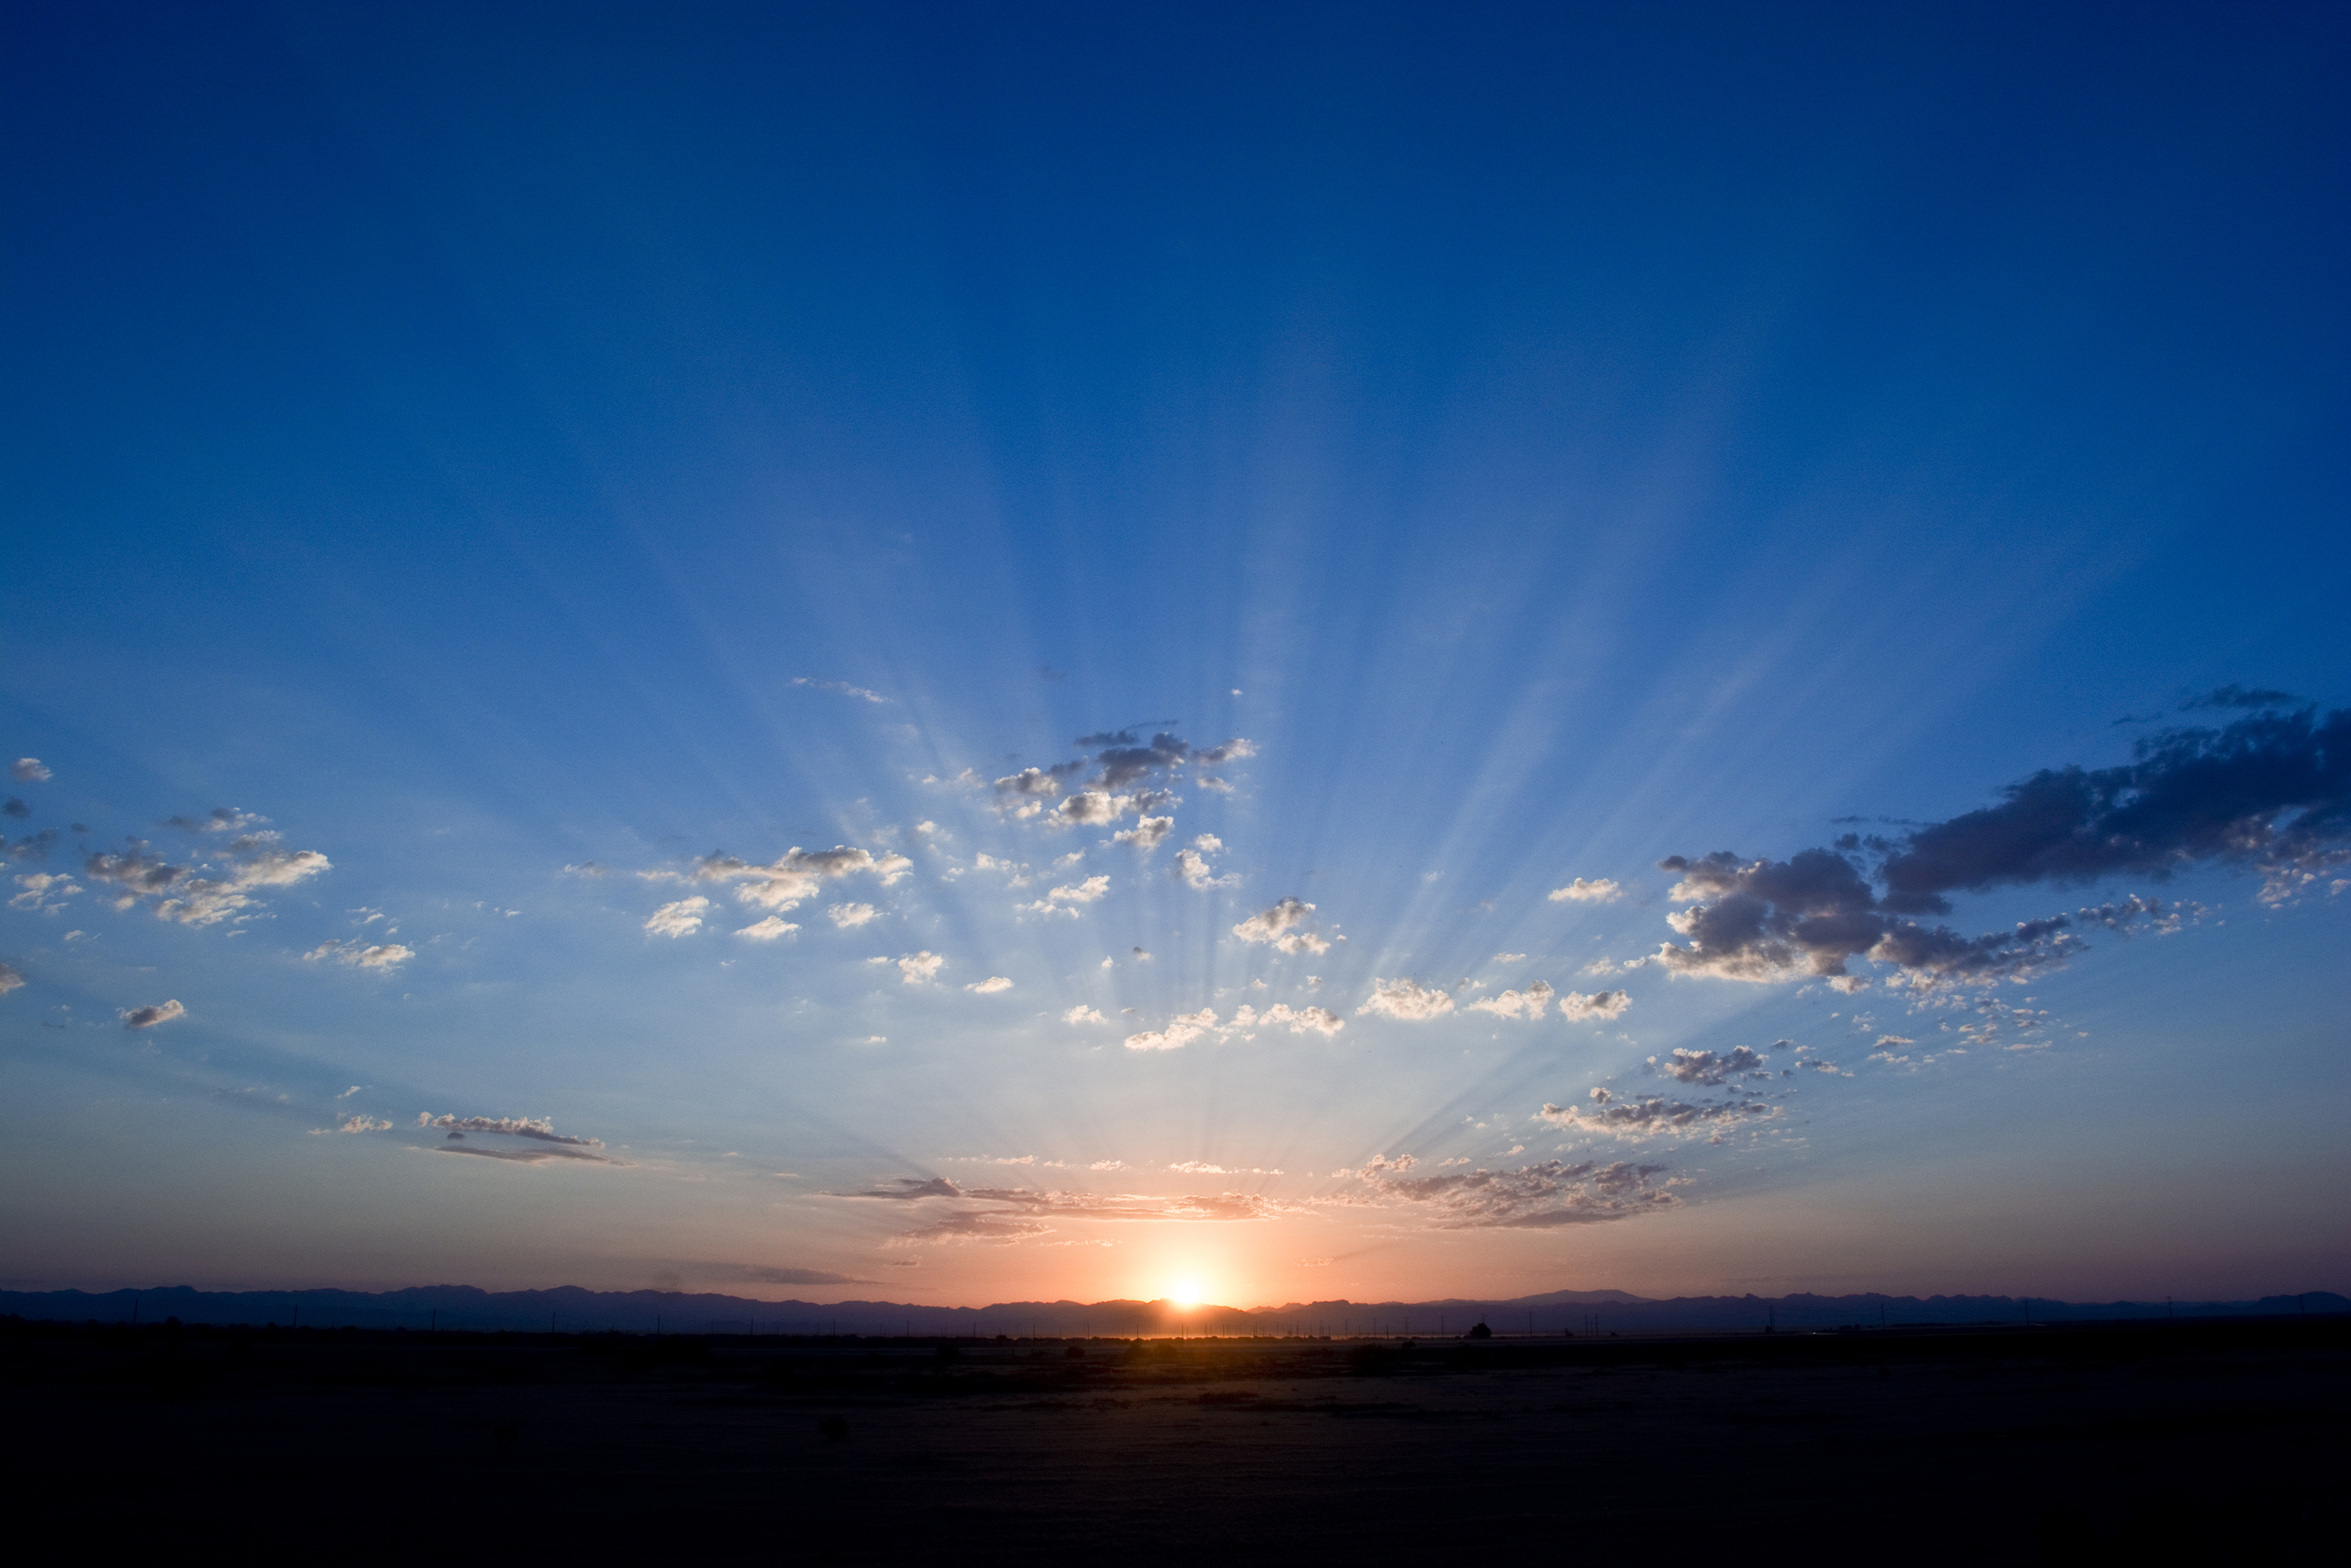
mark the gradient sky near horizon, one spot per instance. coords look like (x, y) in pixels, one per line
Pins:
(959, 654)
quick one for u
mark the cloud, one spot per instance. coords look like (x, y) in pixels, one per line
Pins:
(1082, 1014)
(1710, 1068)
(356, 1122)
(844, 687)
(525, 1156)
(915, 969)
(382, 956)
(1061, 899)
(1194, 869)
(1656, 1116)
(2272, 790)
(1016, 873)
(221, 820)
(1599, 891)
(11, 979)
(29, 770)
(990, 986)
(1406, 1000)
(1529, 1004)
(760, 1273)
(249, 861)
(1148, 833)
(845, 915)
(1540, 1197)
(1299, 1020)
(682, 919)
(34, 846)
(149, 1017)
(1277, 927)
(1598, 1005)
(539, 1129)
(44, 891)
(793, 877)
(1015, 1214)
(1180, 1031)
(766, 930)
(1032, 783)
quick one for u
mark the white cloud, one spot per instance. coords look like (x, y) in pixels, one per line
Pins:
(1082, 1014)
(1096, 805)
(1033, 783)
(539, 1129)
(1299, 1020)
(766, 930)
(1194, 869)
(682, 919)
(1711, 1067)
(1509, 957)
(253, 861)
(1540, 1196)
(1180, 1031)
(43, 886)
(1058, 901)
(1406, 1000)
(149, 1017)
(915, 969)
(794, 876)
(1016, 873)
(1529, 1004)
(381, 955)
(29, 770)
(1277, 926)
(1598, 1005)
(347, 1093)
(1148, 833)
(356, 1122)
(848, 914)
(1599, 891)
(990, 986)
(844, 687)
(11, 979)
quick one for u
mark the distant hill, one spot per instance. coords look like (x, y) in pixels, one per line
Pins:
(569, 1309)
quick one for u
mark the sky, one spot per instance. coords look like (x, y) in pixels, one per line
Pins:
(963, 653)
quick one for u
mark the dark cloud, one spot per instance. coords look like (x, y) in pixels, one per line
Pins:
(1712, 1069)
(760, 1273)
(149, 1017)
(2271, 789)
(15, 808)
(2273, 792)
(908, 1187)
(34, 846)
(1657, 1116)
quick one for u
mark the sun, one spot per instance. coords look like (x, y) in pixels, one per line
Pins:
(1185, 1293)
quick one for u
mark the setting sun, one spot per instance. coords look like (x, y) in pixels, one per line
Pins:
(1185, 1293)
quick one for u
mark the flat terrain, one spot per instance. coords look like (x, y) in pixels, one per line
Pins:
(2204, 1442)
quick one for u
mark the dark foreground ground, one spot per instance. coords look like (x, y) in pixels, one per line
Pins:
(2189, 1442)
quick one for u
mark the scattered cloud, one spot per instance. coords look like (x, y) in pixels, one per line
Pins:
(1598, 891)
(382, 956)
(916, 968)
(766, 930)
(683, 918)
(846, 915)
(1539, 1197)
(1064, 900)
(1406, 1000)
(1179, 1031)
(1576, 1005)
(1017, 1214)
(1279, 924)
(1526, 1004)
(1148, 833)
(1194, 869)
(1710, 1068)
(192, 896)
(539, 1129)
(1298, 1020)
(1082, 1014)
(844, 687)
(990, 986)
(149, 1017)
(1656, 1116)
(11, 979)
(791, 878)
(29, 770)
(356, 1122)
(44, 891)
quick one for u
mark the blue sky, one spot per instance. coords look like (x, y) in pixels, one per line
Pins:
(523, 485)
